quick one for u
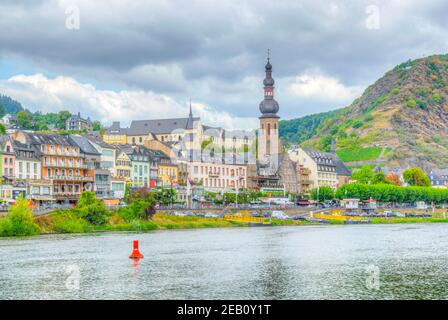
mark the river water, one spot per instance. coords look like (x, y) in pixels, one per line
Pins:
(407, 261)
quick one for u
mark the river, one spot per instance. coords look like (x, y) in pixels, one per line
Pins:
(406, 261)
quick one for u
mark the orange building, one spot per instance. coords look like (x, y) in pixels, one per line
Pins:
(62, 163)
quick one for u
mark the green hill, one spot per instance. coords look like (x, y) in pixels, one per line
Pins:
(400, 120)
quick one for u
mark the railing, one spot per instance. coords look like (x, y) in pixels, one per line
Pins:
(66, 165)
(60, 153)
(72, 178)
(66, 193)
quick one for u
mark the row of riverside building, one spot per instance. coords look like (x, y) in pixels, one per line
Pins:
(50, 167)
(182, 153)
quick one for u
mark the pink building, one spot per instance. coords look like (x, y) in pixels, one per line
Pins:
(8, 158)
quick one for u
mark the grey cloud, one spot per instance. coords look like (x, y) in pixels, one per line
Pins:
(216, 45)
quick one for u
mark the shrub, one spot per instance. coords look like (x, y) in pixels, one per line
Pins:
(357, 124)
(135, 210)
(70, 223)
(368, 118)
(411, 103)
(437, 98)
(19, 221)
(91, 209)
(421, 104)
(322, 193)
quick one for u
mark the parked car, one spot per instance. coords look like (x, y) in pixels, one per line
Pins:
(179, 214)
(211, 215)
(199, 214)
(303, 203)
(298, 217)
(257, 214)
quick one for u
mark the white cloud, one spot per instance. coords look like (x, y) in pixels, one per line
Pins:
(38, 92)
(323, 88)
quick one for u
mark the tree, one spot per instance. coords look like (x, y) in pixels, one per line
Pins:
(325, 142)
(322, 193)
(393, 179)
(91, 209)
(363, 175)
(379, 178)
(416, 177)
(24, 120)
(2, 110)
(62, 118)
(2, 129)
(96, 125)
(19, 221)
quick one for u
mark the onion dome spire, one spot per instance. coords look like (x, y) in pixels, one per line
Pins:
(269, 107)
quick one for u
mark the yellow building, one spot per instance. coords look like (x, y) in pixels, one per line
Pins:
(115, 134)
(168, 174)
(123, 166)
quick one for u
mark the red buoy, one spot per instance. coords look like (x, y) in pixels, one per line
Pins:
(136, 254)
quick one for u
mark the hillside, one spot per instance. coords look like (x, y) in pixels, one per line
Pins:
(8, 105)
(400, 120)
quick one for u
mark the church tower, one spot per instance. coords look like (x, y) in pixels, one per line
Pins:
(268, 141)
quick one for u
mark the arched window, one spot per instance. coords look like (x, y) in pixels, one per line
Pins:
(133, 140)
(269, 128)
(275, 126)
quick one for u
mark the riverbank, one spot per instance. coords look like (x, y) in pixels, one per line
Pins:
(65, 222)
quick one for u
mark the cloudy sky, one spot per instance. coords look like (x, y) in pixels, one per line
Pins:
(124, 60)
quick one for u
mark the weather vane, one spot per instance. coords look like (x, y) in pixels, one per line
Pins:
(269, 53)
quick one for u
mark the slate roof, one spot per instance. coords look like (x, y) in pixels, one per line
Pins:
(115, 128)
(18, 146)
(323, 158)
(52, 139)
(341, 169)
(161, 126)
(84, 144)
(75, 117)
(100, 142)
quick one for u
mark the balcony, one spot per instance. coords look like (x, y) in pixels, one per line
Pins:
(66, 193)
(65, 165)
(72, 178)
(62, 153)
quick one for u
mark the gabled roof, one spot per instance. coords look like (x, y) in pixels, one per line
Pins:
(341, 168)
(84, 144)
(18, 146)
(161, 126)
(320, 157)
(52, 139)
(100, 142)
(116, 129)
